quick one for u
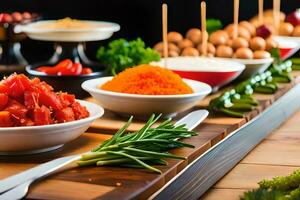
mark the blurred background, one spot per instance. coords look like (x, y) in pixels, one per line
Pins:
(138, 18)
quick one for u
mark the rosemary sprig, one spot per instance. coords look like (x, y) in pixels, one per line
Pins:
(140, 149)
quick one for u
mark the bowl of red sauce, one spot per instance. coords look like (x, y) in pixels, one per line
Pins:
(216, 72)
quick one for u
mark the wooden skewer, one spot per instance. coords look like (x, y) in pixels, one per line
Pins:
(165, 32)
(261, 12)
(276, 15)
(203, 28)
(235, 18)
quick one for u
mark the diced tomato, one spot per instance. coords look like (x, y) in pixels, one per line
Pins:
(3, 88)
(16, 109)
(66, 99)
(5, 119)
(42, 116)
(65, 115)
(35, 81)
(31, 99)
(3, 100)
(50, 99)
(86, 70)
(44, 86)
(80, 111)
(17, 84)
(47, 70)
(27, 122)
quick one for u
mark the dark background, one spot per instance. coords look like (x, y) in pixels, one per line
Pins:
(138, 18)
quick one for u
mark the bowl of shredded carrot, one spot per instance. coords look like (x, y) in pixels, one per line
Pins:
(146, 89)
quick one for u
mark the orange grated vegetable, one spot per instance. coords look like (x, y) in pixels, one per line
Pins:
(147, 80)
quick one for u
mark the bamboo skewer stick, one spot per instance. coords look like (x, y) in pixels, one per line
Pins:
(203, 28)
(261, 12)
(276, 15)
(165, 32)
(235, 18)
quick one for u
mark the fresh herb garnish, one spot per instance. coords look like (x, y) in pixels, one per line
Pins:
(140, 149)
(279, 188)
(121, 54)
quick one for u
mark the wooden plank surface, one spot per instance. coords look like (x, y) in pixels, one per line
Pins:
(277, 155)
(113, 182)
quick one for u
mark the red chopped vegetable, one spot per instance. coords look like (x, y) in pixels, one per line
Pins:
(5, 119)
(25, 102)
(65, 68)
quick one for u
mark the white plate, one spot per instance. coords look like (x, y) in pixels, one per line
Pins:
(33, 30)
(145, 105)
(37, 139)
(253, 66)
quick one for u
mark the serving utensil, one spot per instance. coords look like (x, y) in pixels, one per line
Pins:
(16, 187)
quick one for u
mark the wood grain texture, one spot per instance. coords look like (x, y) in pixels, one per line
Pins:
(223, 194)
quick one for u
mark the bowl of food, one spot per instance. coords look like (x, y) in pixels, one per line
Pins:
(248, 47)
(66, 75)
(34, 118)
(69, 30)
(213, 71)
(287, 47)
(146, 89)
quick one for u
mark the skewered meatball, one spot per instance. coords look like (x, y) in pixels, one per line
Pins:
(194, 35)
(224, 51)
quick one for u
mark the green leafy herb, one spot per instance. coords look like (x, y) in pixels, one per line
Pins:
(279, 188)
(213, 25)
(121, 54)
(142, 148)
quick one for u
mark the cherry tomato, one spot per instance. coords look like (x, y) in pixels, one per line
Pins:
(86, 70)
(5, 18)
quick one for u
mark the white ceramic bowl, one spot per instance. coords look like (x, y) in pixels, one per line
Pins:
(103, 31)
(145, 105)
(37, 139)
(287, 47)
(253, 66)
(215, 72)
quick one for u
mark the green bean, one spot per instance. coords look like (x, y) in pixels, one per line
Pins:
(247, 101)
(232, 113)
(264, 90)
(241, 107)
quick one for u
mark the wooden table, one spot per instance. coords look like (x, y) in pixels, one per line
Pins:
(277, 155)
(119, 183)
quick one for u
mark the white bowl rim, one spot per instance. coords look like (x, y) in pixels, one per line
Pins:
(250, 61)
(31, 27)
(61, 125)
(293, 44)
(237, 65)
(85, 86)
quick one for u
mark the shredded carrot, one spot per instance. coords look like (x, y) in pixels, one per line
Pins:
(147, 80)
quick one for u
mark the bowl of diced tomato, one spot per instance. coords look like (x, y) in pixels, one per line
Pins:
(34, 118)
(66, 75)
